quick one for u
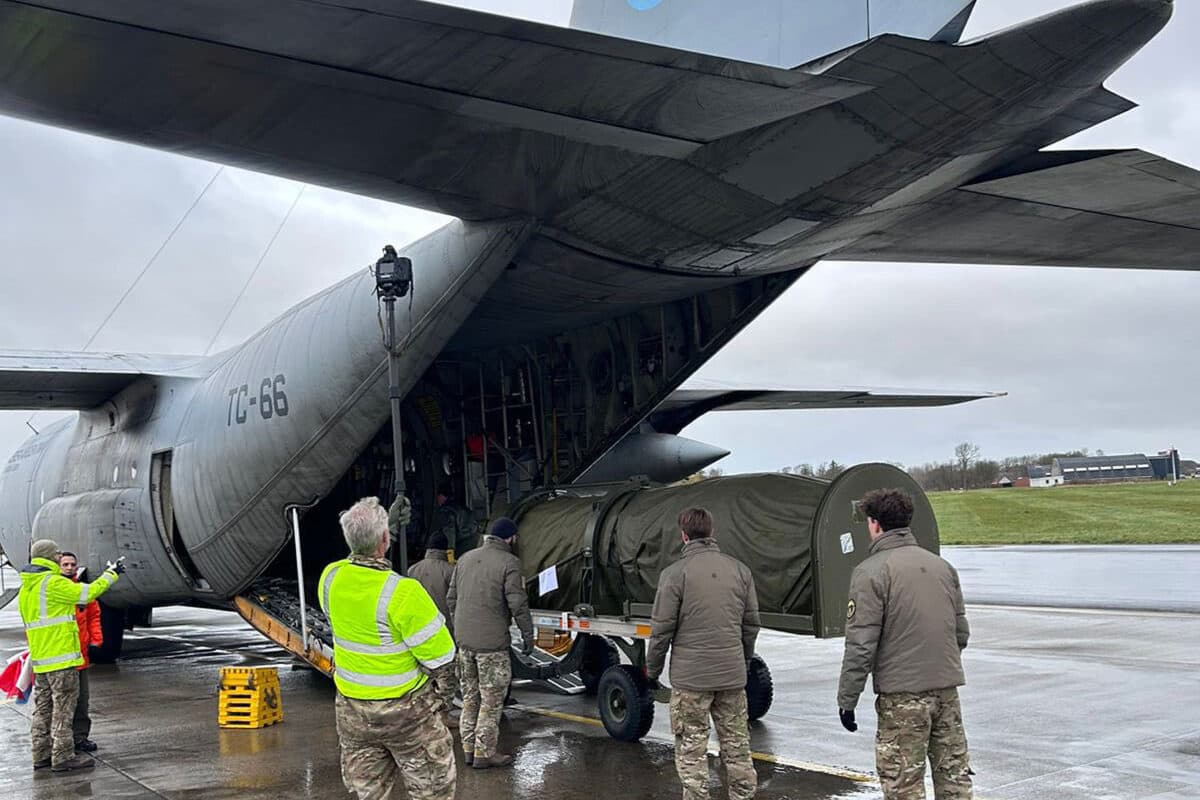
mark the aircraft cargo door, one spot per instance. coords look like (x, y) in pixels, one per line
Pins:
(166, 524)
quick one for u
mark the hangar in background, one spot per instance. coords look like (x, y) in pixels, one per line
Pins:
(1110, 469)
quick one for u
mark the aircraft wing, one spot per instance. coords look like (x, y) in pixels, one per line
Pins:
(697, 398)
(1116, 208)
(35, 380)
(449, 109)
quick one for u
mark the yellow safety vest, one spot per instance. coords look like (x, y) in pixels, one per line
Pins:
(47, 603)
(387, 633)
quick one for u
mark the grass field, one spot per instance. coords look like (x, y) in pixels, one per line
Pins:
(1141, 513)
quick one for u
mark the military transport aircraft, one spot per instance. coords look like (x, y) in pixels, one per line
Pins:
(623, 209)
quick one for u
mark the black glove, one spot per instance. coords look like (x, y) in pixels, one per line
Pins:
(116, 567)
(848, 722)
(653, 684)
(527, 647)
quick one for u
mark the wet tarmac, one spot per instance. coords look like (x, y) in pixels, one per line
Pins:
(1130, 577)
(155, 720)
(1064, 703)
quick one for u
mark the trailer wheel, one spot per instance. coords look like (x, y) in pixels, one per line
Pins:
(598, 655)
(760, 688)
(625, 702)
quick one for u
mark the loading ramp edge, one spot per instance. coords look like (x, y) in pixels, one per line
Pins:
(318, 654)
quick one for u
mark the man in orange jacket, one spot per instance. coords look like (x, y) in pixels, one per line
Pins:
(90, 633)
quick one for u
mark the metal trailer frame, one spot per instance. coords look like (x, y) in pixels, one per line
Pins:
(625, 697)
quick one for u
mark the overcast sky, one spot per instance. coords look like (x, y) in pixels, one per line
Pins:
(1090, 358)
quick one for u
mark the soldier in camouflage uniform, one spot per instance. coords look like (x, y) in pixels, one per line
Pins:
(486, 592)
(706, 614)
(392, 652)
(906, 625)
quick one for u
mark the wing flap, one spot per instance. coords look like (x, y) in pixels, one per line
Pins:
(43, 380)
(419, 103)
(1121, 209)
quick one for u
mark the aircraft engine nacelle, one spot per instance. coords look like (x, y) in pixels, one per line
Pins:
(100, 526)
(662, 457)
(800, 536)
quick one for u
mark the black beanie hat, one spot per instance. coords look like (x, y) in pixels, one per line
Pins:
(503, 528)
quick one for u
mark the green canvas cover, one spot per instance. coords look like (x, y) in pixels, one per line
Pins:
(765, 521)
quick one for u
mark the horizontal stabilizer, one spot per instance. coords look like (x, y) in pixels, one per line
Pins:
(1115, 208)
(35, 380)
(697, 398)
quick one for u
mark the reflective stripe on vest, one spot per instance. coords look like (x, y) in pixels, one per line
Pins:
(371, 661)
(46, 623)
(49, 662)
(380, 681)
(325, 584)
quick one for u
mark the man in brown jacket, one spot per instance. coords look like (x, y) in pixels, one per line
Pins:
(706, 613)
(906, 624)
(486, 591)
(434, 573)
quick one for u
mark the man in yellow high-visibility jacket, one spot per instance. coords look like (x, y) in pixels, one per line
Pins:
(47, 603)
(391, 652)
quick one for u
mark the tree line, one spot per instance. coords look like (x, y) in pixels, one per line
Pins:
(966, 470)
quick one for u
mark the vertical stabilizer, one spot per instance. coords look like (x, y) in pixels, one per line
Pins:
(782, 33)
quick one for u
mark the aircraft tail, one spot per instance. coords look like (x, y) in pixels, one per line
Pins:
(780, 33)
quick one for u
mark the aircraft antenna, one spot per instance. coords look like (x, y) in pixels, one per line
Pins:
(253, 272)
(154, 257)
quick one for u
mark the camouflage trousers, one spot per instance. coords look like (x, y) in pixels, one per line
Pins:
(913, 727)
(54, 697)
(485, 678)
(690, 712)
(382, 737)
(445, 681)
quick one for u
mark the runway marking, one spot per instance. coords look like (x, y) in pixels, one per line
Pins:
(767, 758)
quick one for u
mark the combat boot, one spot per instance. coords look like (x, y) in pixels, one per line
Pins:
(41, 763)
(86, 746)
(78, 762)
(469, 757)
(494, 760)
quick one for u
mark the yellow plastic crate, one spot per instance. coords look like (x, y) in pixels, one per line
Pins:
(249, 697)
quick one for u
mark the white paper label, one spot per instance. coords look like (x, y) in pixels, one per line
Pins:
(548, 580)
(847, 543)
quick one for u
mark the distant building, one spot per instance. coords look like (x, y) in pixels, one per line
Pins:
(1043, 477)
(1162, 465)
(1189, 467)
(1004, 482)
(1103, 469)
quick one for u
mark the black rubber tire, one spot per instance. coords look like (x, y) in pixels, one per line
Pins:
(625, 702)
(760, 688)
(112, 625)
(598, 655)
